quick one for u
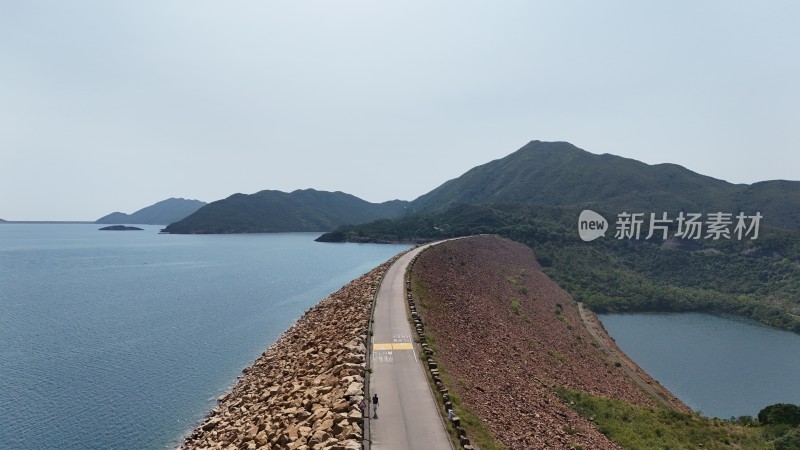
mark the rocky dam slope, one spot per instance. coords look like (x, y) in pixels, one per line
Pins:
(507, 336)
(303, 392)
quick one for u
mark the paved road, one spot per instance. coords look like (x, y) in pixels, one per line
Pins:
(408, 417)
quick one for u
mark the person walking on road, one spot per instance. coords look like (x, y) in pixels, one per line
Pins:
(375, 406)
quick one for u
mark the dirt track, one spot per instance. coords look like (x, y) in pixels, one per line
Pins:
(634, 372)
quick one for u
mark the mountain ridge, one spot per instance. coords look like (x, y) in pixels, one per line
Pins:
(539, 173)
(561, 174)
(160, 213)
(276, 211)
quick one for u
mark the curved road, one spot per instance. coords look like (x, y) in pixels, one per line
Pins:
(408, 417)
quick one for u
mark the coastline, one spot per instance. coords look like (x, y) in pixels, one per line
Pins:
(304, 390)
(645, 381)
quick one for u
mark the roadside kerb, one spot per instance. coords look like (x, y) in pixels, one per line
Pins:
(411, 419)
(366, 442)
(430, 364)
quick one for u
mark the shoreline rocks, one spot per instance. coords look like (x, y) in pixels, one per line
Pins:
(303, 392)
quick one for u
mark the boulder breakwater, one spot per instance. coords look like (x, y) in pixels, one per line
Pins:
(304, 391)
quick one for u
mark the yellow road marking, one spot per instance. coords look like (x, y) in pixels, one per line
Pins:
(394, 346)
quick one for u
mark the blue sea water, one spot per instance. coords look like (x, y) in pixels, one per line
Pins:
(721, 365)
(123, 340)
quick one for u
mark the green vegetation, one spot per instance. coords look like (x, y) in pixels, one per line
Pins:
(476, 430)
(560, 174)
(758, 279)
(781, 423)
(788, 441)
(615, 275)
(514, 280)
(638, 427)
(535, 195)
(780, 414)
(275, 211)
(558, 356)
(516, 306)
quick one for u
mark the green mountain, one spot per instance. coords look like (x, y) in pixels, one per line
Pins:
(560, 174)
(163, 212)
(759, 279)
(276, 211)
(535, 195)
(540, 173)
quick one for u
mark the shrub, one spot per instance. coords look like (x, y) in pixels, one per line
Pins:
(780, 413)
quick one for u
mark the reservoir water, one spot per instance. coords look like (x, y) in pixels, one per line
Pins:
(721, 365)
(124, 339)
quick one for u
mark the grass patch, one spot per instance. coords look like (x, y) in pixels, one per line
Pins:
(515, 279)
(420, 291)
(476, 431)
(515, 305)
(558, 356)
(638, 427)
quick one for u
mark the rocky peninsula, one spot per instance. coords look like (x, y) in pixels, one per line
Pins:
(303, 392)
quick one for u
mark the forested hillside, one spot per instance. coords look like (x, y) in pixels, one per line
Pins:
(560, 174)
(276, 211)
(758, 278)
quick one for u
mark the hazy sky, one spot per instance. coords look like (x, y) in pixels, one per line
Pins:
(112, 106)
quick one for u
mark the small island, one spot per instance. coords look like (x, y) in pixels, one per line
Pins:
(120, 228)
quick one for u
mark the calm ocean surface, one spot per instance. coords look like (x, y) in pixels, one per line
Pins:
(722, 366)
(123, 340)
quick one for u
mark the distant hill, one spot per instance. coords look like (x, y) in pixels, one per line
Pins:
(276, 211)
(161, 213)
(553, 174)
(560, 174)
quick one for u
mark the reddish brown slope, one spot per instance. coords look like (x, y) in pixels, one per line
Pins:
(506, 335)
